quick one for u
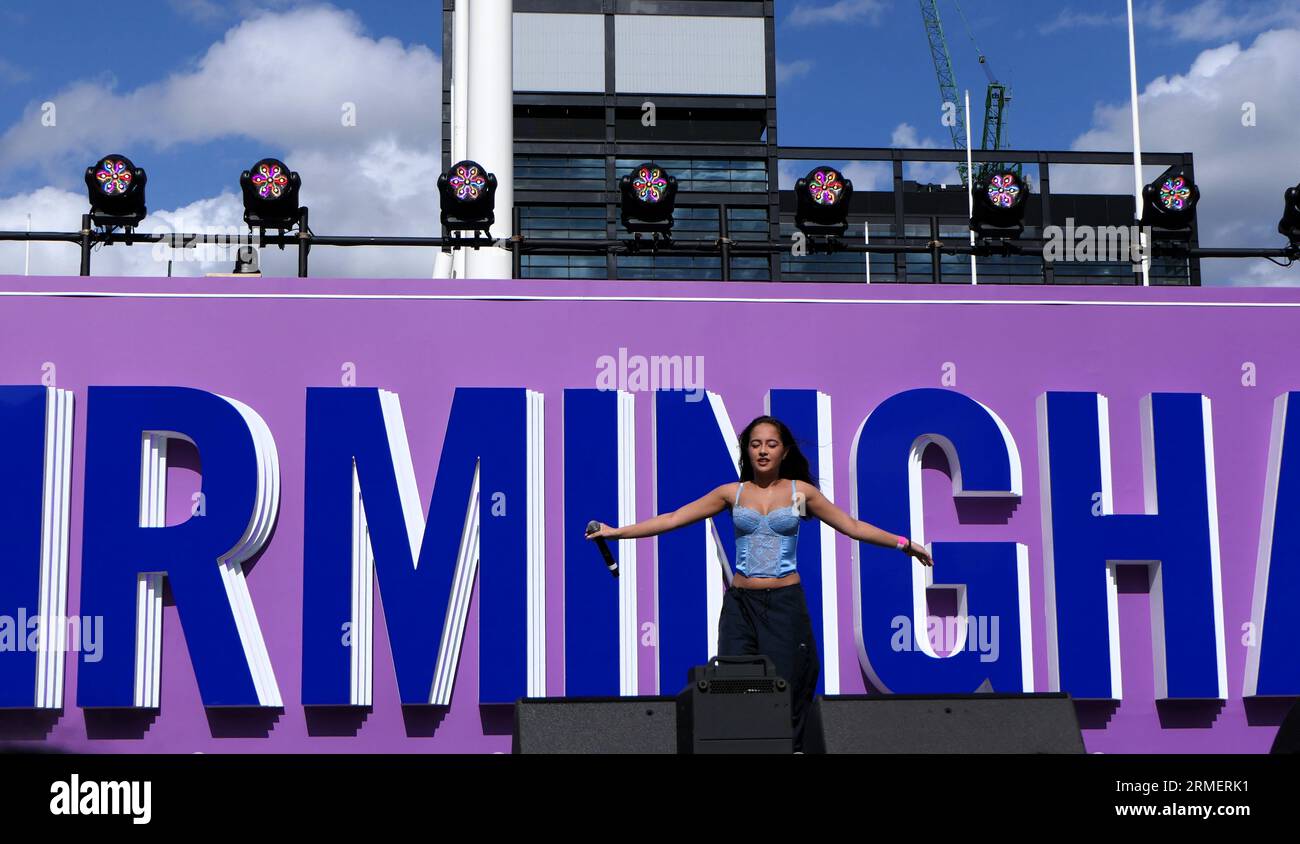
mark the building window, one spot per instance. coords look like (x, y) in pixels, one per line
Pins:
(726, 175)
(713, 126)
(559, 173)
(562, 266)
(562, 221)
(690, 225)
(838, 266)
(570, 222)
(747, 223)
(749, 268)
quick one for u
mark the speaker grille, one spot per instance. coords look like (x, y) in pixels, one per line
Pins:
(596, 725)
(743, 685)
(983, 723)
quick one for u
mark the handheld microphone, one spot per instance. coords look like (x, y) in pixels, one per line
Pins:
(610, 562)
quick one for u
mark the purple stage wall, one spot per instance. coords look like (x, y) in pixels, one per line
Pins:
(263, 341)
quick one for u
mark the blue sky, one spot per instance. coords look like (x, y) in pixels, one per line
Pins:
(50, 46)
(197, 90)
(1058, 60)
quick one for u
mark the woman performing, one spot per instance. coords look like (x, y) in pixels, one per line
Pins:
(764, 611)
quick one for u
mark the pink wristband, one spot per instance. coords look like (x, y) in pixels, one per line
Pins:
(903, 542)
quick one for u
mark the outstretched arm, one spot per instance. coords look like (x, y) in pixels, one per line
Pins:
(823, 508)
(701, 508)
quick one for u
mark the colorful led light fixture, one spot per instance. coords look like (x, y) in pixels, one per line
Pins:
(649, 197)
(116, 190)
(1169, 203)
(1000, 198)
(270, 191)
(468, 194)
(822, 202)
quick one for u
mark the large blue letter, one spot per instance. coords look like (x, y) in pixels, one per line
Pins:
(695, 451)
(807, 413)
(1275, 670)
(127, 550)
(363, 518)
(600, 614)
(36, 429)
(1177, 540)
(889, 590)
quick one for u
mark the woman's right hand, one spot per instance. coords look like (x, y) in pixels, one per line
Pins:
(917, 550)
(605, 531)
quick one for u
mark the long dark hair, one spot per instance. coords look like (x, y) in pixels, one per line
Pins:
(794, 465)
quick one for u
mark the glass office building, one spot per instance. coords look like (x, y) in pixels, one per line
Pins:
(604, 85)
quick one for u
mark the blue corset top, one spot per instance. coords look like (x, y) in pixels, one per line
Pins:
(765, 544)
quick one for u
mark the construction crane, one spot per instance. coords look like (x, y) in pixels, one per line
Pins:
(996, 100)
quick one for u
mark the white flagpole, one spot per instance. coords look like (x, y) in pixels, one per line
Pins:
(970, 189)
(1137, 149)
(459, 105)
(866, 240)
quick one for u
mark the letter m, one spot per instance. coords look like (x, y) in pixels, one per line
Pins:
(364, 521)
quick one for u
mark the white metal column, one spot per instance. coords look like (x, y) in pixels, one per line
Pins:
(490, 125)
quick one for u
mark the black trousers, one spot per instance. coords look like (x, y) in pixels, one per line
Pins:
(775, 622)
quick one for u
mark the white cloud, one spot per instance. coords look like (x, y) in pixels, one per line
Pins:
(1241, 170)
(842, 11)
(12, 74)
(865, 175)
(1206, 20)
(388, 192)
(905, 136)
(201, 10)
(786, 71)
(377, 177)
(249, 84)
(869, 175)
(878, 175)
(1068, 19)
(788, 172)
(1214, 20)
(212, 11)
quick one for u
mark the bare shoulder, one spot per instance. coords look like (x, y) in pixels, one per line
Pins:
(806, 489)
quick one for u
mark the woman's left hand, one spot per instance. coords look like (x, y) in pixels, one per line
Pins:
(915, 549)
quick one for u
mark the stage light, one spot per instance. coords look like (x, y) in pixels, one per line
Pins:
(468, 193)
(649, 196)
(1000, 199)
(116, 188)
(1290, 224)
(822, 202)
(1169, 202)
(270, 195)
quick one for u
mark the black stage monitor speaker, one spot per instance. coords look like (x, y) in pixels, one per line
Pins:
(975, 723)
(735, 704)
(596, 725)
